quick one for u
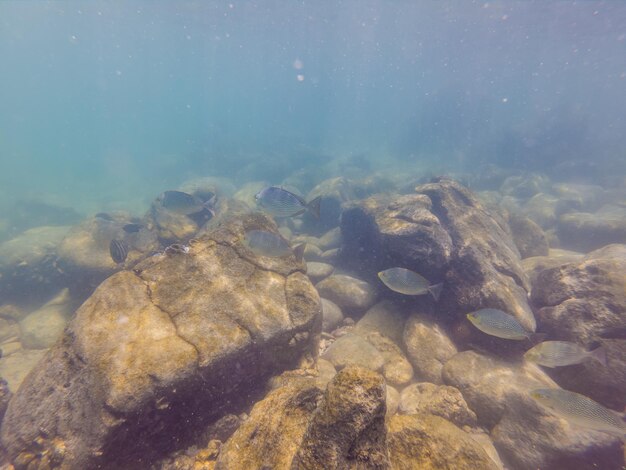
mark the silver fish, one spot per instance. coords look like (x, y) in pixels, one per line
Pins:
(498, 323)
(282, 203)
(408, 282)
(562, 353)
(581, 410)
(269, 244)
(118, 251)
(181, 203)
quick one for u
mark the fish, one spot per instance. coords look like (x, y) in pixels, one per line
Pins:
(581, 410)
(132, 228)
(498, 323)
(118, 251)
(408, 282)
(269, 244)
(562, 353)
(282, 203)
(182, 203)
(104, 216)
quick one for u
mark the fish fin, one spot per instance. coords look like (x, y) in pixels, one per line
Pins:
(435, 290)
(298, 251)
(300, 212)
(599, 354)
(314, 206)
(536, 338)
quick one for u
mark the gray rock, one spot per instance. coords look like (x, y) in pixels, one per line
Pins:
(312, 252)
(525, 186)
(529, 238)
(385, 317)
(15, 367)
(330, 256)
(332, 316)
(331, 239)
(430, 442)
(528, 436)
(583, 301)
(5, 396)
(43, 327)
(583, 231)
(351, 349)
(349, 293)
(153, 346)
(543, 209)
(335, 192)
(247, 192)
(392, 398)
(488, 384)
(428, 348)
(31, 247)
(397, 370)
(581, 197)
(318, 271)
(438, 400)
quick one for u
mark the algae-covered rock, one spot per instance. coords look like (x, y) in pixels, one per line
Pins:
(386, 318)
(273, 433)
(397, 370)
(318, 271)
(428, 442)
(157, 353)
(348, 428)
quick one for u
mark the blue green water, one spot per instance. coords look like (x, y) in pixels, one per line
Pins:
(105, 104)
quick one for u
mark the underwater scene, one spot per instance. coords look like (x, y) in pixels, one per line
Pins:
(351, 234)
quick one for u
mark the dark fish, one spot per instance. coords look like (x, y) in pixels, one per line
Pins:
(181, 203)
(118, 251)
(408, 282)
(132, 228)
(271, 245)
(282, 203)
(103, 216)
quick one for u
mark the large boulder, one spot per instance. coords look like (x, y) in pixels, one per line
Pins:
(157, 353)
(444, 233)
(584, 301)
(585, 231)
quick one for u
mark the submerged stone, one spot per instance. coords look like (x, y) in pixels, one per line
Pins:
(157, 353)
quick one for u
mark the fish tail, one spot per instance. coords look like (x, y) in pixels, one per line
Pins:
(435, 290)
(314, 206)
(599, 354)
(298, 251)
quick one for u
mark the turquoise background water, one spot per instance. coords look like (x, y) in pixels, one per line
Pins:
(105, 104)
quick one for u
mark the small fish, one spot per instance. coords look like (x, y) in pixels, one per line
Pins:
(269, 244)
(182, 203)
(132, 228)
(104, 216)
(562, 353)
(581, 410)
(408, 282)
(498, 323)
(282, 203)
(118, 251)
